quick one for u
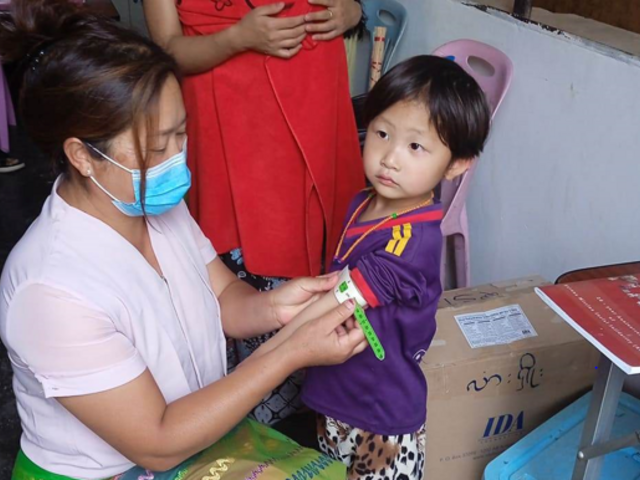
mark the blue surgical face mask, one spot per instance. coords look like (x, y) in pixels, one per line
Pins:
(166, 185)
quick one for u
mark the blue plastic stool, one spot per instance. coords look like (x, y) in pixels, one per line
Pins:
(389, 14)
(549, 452)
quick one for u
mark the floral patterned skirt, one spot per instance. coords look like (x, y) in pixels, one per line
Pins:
(284, 400)
(250, 451)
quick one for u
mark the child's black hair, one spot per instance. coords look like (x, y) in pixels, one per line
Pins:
(457, 106)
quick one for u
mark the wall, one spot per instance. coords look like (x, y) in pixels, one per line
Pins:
(620, 13)
(131, 14)
(585, 27)
(557, 187)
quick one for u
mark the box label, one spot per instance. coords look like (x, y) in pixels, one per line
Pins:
(504, 424)
(495, 327)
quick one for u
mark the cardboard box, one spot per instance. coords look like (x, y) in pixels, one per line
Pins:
(482, 400)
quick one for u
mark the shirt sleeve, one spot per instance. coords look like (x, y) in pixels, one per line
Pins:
(71, 348)
(204, 244)
(398, 272)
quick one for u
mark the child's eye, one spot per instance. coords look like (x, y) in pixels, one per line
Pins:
(382, 134)
(416, 147)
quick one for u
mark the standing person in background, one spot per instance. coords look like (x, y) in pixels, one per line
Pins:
(273, 145)
(9, 164)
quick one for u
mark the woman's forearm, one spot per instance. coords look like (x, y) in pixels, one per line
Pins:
(246, 312)
(194, 54)
(325, 304)
(136, 420)
(201, 53)
(221, 405)
(158, 433)
(224, 403)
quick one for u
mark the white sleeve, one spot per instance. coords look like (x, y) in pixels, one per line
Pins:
(207, 251)
(72, 348)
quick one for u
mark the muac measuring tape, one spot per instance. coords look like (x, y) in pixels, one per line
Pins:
(345, 290)
(369, 332)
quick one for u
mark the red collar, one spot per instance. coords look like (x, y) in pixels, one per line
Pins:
(432, 213)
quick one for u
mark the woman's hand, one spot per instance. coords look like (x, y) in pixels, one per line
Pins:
(279, 37)
(324, 341)
(291, 298)
(136, 420)
(338, 17)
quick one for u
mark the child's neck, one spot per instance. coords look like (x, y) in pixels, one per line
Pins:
(380, 207)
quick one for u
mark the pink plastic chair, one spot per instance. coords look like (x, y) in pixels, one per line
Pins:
(7, 114)
(493, 70)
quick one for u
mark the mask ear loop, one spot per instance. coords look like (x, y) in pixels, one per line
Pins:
(93, 179)
(109, 159)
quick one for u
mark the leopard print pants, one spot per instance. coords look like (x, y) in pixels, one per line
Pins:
(373, 457)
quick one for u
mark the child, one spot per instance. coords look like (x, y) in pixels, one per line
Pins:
(427, 119)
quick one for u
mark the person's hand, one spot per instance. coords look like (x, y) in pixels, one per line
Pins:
(347, 326)
(319, 341)
(338, 17)
(279, 37)
(291, 298)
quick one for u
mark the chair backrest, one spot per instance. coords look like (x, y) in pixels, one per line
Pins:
(491, 68)
(390, 14)
(493, 71)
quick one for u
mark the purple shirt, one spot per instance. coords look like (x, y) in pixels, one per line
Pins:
(397, 268)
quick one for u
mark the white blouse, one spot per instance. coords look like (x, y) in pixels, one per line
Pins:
(82, 311)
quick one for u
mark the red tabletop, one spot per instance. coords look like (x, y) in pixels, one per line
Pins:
(606, 312)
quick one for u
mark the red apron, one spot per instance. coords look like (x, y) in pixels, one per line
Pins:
(273, 146)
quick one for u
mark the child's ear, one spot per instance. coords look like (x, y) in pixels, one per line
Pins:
(458, 167)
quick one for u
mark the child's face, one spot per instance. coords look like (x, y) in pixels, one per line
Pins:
(404, 159)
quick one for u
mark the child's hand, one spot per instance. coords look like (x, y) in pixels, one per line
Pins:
(291, 298)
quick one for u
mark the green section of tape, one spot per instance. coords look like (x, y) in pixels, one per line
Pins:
(369, 333)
